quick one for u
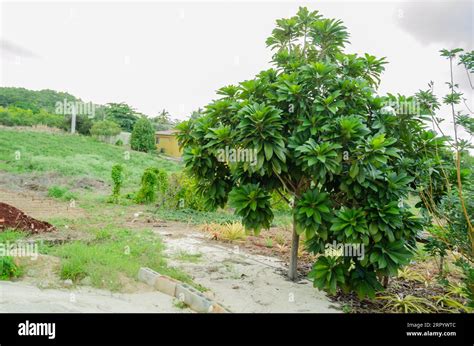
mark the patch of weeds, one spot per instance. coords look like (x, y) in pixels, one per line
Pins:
(196, 217)
(280, 238)
(11, 236)
(113, 255)
(61, 193)
(269, 242)
(411, 275)
(179, 304)
(8, 268)
(229, 232)
(346, 308)
(73, 269)
(102, 234)
(184, 256)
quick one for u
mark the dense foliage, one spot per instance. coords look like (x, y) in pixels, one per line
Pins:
(33, 100)
(14, 116)
(143, 136)
(105, 128)
(122, 114)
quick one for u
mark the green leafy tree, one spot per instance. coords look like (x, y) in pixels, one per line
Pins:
(122, 114)
(321, 141)
(143, 136)
(105, 128)
(163, 121)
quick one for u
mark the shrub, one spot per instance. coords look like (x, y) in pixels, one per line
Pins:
(8, 268)
(105, 128)
(60, 192)
(182, 192)
(13, 116)
(143, 136)
(83, 124)
(148, 189)
(117, 178)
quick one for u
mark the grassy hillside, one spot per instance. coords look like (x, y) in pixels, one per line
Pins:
(72, 155)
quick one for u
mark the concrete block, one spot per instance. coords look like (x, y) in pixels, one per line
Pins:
(193, 298)
(166, 285)
(147, 276)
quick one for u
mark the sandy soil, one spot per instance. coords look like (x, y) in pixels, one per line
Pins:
(241, 281)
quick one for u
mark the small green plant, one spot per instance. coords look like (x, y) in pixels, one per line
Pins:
(73, 269)
(103, 234)
(188, 257)
(179, 304)
(437, 249)
(119, 143)
(8, 268)
(229, 231)
(448, 303)
(408, 274)
(346, 308)
(407, 304)
(269, 242)
(117, 178)
(280, 238)
(148, 189)
(60, 192)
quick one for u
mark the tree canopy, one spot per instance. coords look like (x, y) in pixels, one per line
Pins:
(326, 142)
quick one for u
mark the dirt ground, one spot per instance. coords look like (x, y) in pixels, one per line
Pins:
(237, 277)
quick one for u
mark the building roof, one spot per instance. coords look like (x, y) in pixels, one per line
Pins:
(166, 132)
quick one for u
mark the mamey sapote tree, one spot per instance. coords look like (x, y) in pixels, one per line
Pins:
(315, 123)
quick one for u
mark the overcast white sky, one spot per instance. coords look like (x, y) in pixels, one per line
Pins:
(174, 55)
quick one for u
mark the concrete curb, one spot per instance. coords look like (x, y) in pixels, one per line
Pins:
(185, 293)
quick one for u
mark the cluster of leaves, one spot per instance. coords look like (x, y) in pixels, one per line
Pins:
(143, 136)
(252, 203)
(117, 178)
(182, 192)
(121, 114)
(323, 137)
(8, 268)
(14, 116)
(154, 182)
(105, 128)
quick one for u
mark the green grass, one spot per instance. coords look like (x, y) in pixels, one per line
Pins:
(184, 256)
(113, 253)
(61, 193)
(72, 156)
(11, 236)
(196, 217)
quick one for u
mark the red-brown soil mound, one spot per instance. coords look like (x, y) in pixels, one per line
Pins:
(14, 218)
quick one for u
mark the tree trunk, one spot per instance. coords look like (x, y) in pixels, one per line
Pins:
(293, 271)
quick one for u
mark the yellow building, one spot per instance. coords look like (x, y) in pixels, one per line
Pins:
(167, 143)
